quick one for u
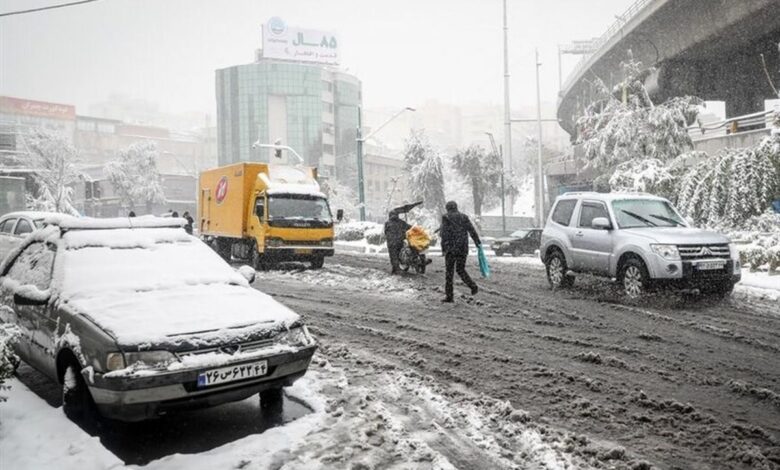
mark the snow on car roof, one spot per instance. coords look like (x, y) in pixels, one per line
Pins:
(299, 189)
(148, 221)
(609, 196)
(35, 215)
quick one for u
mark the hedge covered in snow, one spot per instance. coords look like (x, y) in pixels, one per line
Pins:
(8, 360)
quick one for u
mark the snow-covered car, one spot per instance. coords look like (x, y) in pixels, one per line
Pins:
(640, 240)
(14, 226)
(138, 318)
(518, 243)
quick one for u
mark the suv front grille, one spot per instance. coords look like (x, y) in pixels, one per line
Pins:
(689, 252)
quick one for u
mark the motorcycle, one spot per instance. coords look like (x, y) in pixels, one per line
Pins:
(413, 253)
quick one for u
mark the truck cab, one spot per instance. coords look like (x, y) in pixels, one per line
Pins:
(266, 213)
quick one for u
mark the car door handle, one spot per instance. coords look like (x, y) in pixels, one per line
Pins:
(579, 234)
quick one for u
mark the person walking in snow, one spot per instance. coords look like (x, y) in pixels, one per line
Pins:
(190, 221)
(455, 230)
(395, 234)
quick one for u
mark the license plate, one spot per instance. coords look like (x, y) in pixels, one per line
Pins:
(710, 265)
(232, 373)
(303, 251)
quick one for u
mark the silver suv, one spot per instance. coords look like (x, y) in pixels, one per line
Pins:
(640, 240)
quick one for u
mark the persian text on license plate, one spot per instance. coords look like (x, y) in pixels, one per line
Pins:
(232, 373)
(710, 265)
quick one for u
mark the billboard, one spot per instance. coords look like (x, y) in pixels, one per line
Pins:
(281, 41)
(37, 108)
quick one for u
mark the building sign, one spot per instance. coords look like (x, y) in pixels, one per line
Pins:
(10, 105)
(281, 41)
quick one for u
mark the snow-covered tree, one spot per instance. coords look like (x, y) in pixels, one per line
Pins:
(134, 176)
(482, 172)
(624, 123)
(53, 159)
(730, 188)
(341, 197)
(8, 335)
(643, 175)
(424, 168)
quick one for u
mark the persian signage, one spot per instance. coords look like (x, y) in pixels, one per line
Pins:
(281, 41)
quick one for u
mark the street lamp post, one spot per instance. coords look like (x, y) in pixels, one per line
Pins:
(503, 193)
(360, 140)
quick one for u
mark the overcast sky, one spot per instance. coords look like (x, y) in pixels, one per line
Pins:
(404, 51)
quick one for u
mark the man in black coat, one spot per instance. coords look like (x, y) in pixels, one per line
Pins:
(455, 230)
(395, 234)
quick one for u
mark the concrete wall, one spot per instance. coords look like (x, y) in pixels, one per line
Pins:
(740, 140)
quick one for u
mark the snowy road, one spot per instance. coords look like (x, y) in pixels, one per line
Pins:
(677, 382)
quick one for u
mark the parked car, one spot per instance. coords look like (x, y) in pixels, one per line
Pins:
(640, 240)
(518, 243)
(135, 318)
(14, 226)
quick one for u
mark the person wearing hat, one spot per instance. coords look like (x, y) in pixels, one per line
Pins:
(395, 234)
(455, 230)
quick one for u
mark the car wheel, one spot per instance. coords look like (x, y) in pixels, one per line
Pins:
(76, 400)
(634, 278)
(517, 253)
(499, 253)
(317, 262)
(557, 276)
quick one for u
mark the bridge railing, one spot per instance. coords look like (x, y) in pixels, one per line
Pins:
(614, 28)
(735, 125)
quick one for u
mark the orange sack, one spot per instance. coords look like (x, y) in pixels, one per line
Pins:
(418, 238)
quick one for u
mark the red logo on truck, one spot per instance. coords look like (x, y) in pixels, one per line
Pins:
(221, 190)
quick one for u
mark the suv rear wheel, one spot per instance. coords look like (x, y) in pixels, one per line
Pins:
(557, 270)
(634, 278)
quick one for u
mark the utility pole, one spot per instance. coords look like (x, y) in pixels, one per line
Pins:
(361, 189)
(500, 152)
(507, 111)
(540, 189)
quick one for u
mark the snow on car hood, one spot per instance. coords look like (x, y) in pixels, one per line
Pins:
(151, 285)
(678, 235)
(214, 313)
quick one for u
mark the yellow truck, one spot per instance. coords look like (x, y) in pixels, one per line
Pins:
(265, 213)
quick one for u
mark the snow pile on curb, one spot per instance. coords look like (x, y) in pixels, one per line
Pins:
(347, 277)
(35, 435)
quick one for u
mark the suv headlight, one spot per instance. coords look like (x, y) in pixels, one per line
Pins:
(294, 337)
(150, 358)
(669, 252)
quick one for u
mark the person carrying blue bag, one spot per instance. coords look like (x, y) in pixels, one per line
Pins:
(455, 230)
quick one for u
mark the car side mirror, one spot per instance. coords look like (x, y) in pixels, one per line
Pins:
(248, 272)
(340, 215)
(20, 299)
(601, 223)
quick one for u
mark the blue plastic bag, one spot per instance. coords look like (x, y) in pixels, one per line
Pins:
(484, 267)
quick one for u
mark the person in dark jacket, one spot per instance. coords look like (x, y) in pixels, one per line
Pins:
(190, 221)
(455, 231)
(395, 234)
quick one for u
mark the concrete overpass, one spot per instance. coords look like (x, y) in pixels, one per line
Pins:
(707, 48)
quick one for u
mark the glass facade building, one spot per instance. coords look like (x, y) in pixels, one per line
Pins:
(309, 107)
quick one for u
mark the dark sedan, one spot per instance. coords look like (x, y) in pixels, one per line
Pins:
(518, 243)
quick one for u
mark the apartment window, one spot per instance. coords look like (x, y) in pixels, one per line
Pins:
(327, 148)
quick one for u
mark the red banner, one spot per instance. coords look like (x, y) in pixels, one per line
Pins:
(37, 108)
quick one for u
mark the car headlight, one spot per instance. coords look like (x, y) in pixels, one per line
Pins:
(294, 337)
(150, 358)
(115, 361)
(326, 242)
(669, 252)
(734, 251)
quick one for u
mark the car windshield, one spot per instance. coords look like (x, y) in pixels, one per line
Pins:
(289, 207)
(632, 213)
(519, 233)
(134, 260)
